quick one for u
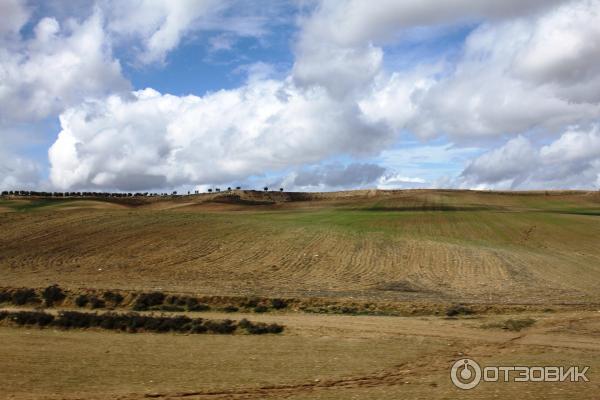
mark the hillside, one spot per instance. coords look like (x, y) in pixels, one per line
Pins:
(429, 245)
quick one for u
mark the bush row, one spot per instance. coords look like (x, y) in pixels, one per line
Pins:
(151, 301)
(134, 322)
(158, 301)
(19, 297)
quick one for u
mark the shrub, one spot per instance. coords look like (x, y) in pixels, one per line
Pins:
(259, 328)
(278, 304)
(82, 300)
(107, 322)
(260, 309)
(176, 300)
(251, 302)
(31, 318)
(230, 309)
(53, 294)
(74, 319)
(146, 300)
(222, 327)
(23, 296)
(195, 306)
(458, 309)
(514, 325)
(5, 296)
(96, 302)
(348, 310)
(198, 328)
(114, 298)
(190, 302)
(167, 307)
(518, 324)
(133, 322)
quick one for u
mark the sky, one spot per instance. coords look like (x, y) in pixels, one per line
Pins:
(156, 95)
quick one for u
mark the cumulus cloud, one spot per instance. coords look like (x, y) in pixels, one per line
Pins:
(510, 164)
(354, 22)
(398, 181)
(224, 136)
(341, 70)
(58, 67)
(17, 172)
(538, 72)
(159, 26)
(571, 161)
(338, 175)
(527, 69)
(339, 46)
(529, 65)
(13, 15)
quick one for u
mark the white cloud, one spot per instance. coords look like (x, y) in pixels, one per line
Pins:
(394, 98)
(342, 70)
(338, 46)
(222, 42)
(413, 164)
(529, 67)
(17, 172)
(154, 140)
(508, 165)
(58, 67)
(337, 175)
(355, 22)
(158, 26)
(540, 72)
(571, 161)
(398, 181)
(563, 52)
(13, 15)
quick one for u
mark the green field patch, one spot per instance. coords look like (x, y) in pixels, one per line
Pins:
(31, 205)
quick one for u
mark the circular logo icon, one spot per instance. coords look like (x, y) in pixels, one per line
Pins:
(465, 374)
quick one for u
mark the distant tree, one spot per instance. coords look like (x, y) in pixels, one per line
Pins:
(281, 189)
(195, 192)
(229, 189)
(217, 189)
(238, 187)
(266, 188)
(175, 193)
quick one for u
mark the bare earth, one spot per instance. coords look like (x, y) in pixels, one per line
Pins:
(536, 253)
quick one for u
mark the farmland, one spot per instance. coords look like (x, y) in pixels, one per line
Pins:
(393, 261)
(424, 245)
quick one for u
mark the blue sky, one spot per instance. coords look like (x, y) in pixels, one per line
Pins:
(309, 95)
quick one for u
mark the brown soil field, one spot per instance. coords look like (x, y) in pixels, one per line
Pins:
(372, 246)
(504, 254)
